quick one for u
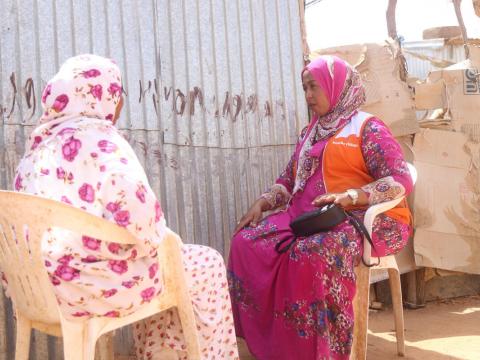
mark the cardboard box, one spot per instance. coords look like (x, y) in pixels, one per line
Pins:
(447, 201)
(456, 89)
(388, 97)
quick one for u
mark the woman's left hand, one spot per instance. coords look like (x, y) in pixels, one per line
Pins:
(341, 199)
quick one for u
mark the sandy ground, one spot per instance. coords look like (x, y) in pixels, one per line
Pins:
(442, 330)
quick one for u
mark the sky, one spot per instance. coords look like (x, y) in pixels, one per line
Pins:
(341, 22)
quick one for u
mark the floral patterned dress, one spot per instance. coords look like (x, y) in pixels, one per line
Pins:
(86, 163)
(298, 305)
(77, 156)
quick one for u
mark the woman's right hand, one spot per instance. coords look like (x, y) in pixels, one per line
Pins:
(253, 215)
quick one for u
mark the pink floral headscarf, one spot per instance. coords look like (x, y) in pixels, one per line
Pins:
(345, 92)
(86, 85)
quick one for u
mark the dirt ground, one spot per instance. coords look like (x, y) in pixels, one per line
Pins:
(448, 329)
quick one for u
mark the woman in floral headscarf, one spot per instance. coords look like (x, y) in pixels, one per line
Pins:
(77, 156)
(298, 304)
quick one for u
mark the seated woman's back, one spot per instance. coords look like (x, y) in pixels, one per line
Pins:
(77, 156)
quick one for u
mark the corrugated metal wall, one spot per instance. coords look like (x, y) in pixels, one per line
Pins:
(214, 100)
(436, 49)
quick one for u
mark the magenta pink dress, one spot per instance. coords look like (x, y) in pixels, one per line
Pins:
(298, 305)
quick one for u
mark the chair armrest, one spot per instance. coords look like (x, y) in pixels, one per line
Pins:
(374, 210)
(170, 246)
(370, 216)
(172, 236)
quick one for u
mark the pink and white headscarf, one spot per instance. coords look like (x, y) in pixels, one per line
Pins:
(343, 86)
(86, 85)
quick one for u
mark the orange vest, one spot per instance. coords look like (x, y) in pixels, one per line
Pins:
(344, 167)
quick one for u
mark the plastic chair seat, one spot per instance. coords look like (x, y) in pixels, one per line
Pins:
(23, 221)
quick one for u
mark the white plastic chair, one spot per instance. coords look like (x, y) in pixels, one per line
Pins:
(361, 300)
(23, 220)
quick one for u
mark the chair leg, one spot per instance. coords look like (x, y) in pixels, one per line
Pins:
(105, 350)
(24, 331)
(185, 310)
(396, 291)
(187, 318)
(76, 343)
(360, 309)
(89, 348)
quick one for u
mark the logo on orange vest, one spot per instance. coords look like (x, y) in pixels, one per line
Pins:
(339, 142)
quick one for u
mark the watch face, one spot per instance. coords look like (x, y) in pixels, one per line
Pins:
(353, 195)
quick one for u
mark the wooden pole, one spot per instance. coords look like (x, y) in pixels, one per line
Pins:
(458, 12)
(391, 20)
(306, 50)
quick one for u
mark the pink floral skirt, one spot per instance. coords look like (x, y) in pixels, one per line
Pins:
(207, 282)
(298, 304)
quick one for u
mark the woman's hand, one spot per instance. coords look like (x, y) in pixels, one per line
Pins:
(253, 215)
(341, 199)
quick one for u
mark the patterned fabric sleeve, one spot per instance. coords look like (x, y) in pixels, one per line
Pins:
(131, 203)
(123, 188)
(384, 159)
(280, 193)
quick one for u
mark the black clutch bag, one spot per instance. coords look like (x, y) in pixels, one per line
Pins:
(319, 220)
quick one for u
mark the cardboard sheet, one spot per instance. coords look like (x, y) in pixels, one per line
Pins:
(447, 201)
(457, 90)
(430, 95)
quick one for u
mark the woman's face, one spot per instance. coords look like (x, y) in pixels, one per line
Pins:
(316, 98)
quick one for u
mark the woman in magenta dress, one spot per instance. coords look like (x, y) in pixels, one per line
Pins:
(298, 304)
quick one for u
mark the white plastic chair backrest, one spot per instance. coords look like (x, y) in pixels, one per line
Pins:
(413, 173)
(377, 209)
(23, 221)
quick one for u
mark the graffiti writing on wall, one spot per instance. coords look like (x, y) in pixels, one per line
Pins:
(26, 91)
(189, 103)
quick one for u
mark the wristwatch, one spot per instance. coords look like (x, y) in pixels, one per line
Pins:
(353, 194)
